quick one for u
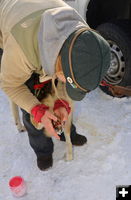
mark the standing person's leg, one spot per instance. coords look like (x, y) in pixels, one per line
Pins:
(41, 144)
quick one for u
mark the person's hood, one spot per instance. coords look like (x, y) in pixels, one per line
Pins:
(55, 27)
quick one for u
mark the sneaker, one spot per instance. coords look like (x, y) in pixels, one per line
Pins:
(44, 162)
(76, 139)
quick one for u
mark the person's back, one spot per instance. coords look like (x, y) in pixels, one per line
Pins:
(12, 11)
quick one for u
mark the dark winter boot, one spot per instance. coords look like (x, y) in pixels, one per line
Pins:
(76, 139)
(44, 162)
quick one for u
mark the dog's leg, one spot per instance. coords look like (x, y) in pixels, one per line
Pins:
(69, 153)
(15, 112)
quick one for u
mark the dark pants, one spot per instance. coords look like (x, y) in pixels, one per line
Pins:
(41, 144)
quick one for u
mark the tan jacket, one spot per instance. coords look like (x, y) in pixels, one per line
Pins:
(16, 68)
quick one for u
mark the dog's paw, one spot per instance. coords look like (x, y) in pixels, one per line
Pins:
(68, 157)
(21, 128)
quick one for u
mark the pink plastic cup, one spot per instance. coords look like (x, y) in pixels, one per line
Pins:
(17, 186)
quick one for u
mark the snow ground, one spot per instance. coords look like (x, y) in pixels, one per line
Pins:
(97, 167)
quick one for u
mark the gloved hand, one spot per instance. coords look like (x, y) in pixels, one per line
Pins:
(62, 110)
(43, 115)
(62, 114)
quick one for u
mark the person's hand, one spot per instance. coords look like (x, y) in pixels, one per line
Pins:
(41, 114)
(46, 120)
(62, 114)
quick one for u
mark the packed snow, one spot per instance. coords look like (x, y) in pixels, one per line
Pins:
(98, 166)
